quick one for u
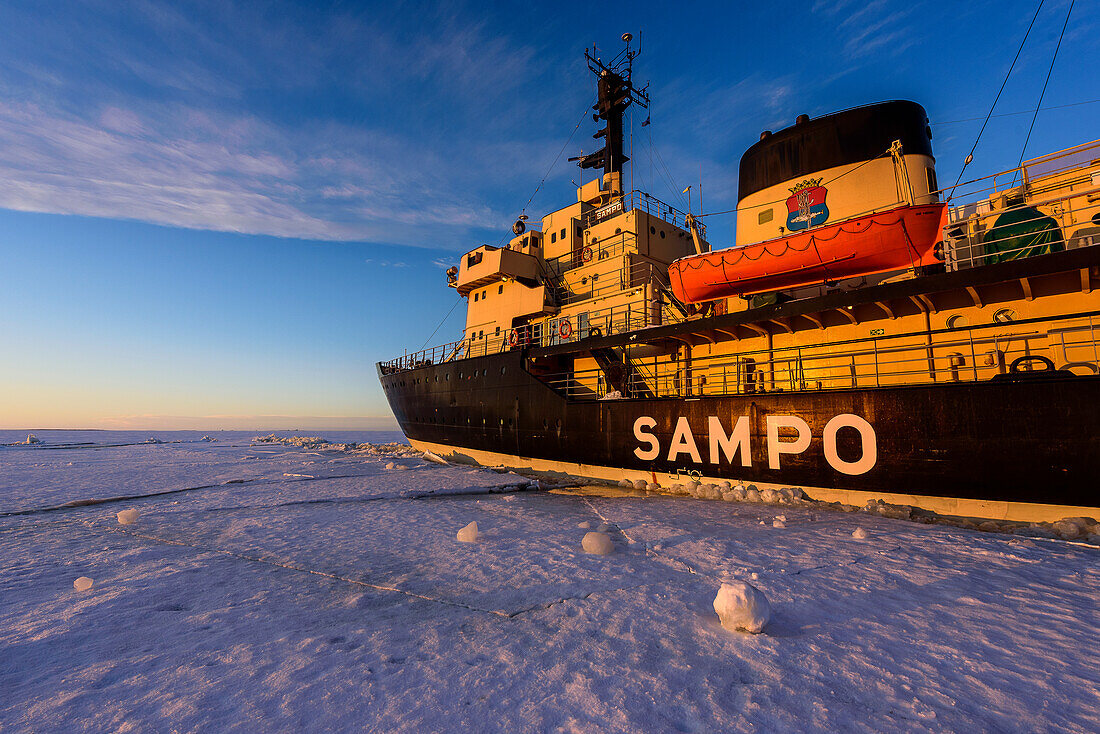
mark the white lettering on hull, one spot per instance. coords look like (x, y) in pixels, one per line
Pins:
(654, 449)
(866, 435)
(737, 443)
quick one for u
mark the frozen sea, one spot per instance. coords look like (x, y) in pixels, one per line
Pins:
(272, 587)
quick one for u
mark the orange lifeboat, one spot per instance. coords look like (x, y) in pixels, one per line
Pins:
(876, 243)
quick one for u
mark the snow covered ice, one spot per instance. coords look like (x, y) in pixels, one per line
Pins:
(83, 583)
(742, 607)
(339, 599)
(127, 517)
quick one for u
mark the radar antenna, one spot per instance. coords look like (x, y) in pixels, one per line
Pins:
(615, 93)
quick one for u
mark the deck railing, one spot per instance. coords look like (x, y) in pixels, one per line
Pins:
(1048, 204)
(967, 354)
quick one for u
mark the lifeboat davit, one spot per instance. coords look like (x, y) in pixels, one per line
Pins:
(894, 239)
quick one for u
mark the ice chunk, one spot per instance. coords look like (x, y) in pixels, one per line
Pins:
(1070, 527)
(32, 439)
(640, 484)
(626, 484)
(752, 494)
(859, 534)
(770, 496)
(742, 606)
(83, 583)
(653, 487)
(434, 458)
(777, 523)
(597, 543)
(389, 466)
(603, 528)
(127, 517)
(585, 525)
(726, 486)
(468, 534)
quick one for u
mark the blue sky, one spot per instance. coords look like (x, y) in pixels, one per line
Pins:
(223, 214)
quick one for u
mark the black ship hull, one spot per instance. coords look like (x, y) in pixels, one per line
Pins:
(1033, 440)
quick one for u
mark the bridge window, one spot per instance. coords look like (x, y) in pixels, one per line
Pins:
(476, 295)
(500, 288)
(553, 236)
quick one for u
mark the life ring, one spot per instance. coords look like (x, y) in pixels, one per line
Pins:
(586, 254)
(513, 338)
(565, 328)
(1048, 366)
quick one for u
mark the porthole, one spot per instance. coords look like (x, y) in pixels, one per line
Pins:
(460, 375)
(447, 377)
(662, 234)
(653, 230)
(502, 370)
(509, 422)
(1004, 316)
(957, 321)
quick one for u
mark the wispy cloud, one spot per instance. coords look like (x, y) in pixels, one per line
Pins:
(169, 137)
(871, 27)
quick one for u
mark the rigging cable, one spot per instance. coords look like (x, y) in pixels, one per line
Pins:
(780, 201)
(556, 159)
(940, 123)
(1041, 94)
(457, 301)
(970, 156)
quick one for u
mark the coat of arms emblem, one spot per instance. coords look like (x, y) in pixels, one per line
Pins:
(806, 205)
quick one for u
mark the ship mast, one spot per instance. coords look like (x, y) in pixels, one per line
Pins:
(615, 93)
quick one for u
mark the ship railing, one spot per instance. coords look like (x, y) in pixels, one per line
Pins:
(1025, 229)
(1061, 189)
(643, 201)
(965, 354)
(427, 357)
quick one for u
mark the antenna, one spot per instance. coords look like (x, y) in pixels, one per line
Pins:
(616, 93)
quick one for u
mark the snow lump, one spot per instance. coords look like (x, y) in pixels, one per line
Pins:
(83, 583)
(742, 607)
(597, 543)
(127, 517)
(468, 534)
